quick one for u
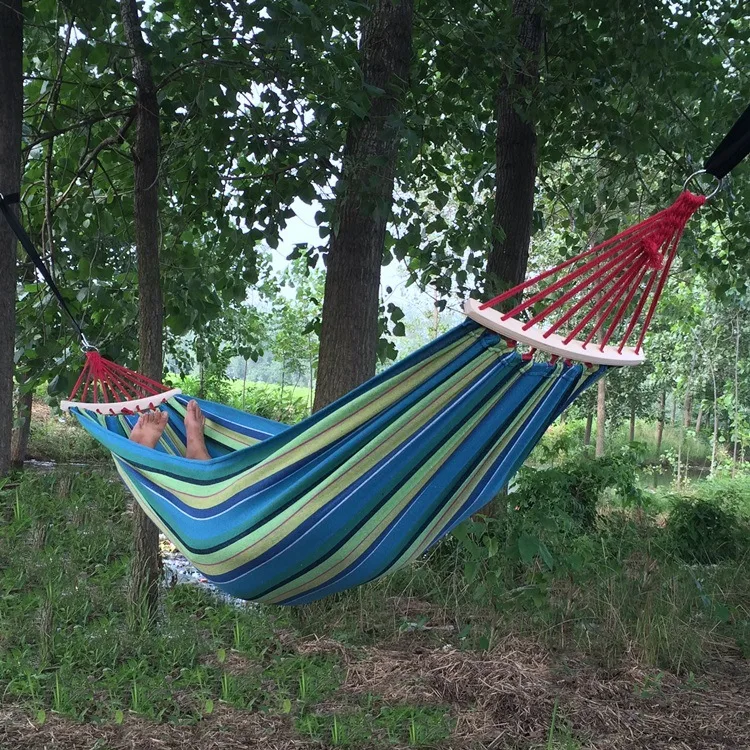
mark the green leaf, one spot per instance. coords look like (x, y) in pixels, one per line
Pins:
(528, 547)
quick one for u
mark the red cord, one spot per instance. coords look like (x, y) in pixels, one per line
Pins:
(610, 276)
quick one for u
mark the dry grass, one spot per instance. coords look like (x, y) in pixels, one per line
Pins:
(505, 699)
(501, 699)
(225, 729)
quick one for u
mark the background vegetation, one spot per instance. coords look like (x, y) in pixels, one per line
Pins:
(264, 203)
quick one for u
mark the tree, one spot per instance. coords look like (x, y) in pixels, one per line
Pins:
(349, 326)
(601, 416)
(145, 564)
(11, 114)
(516, 155)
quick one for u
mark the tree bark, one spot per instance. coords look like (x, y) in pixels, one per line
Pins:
(736, 405)
(699, 418)
(349, 327)
(660, 420)
(601, 416)
(587, 431)
(145, 570)
(687, 413)
(11, 115)
(22, 429)
(674, 408)
(516, 157)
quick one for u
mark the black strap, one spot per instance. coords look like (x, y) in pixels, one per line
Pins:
(732, 150)
(6, 201)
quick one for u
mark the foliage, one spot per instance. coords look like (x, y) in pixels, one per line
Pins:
(287, 404)
(710, 523)
(570, 494)
(703, 531)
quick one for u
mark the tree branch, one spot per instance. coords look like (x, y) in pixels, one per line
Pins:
(81, 123)
(110, 142)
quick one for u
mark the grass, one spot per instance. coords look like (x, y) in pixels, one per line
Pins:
(474, 645)
(68, 645)
(288, 404)
(58, 438)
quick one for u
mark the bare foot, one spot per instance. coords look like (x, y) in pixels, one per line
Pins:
(149, 428)
(196, 441)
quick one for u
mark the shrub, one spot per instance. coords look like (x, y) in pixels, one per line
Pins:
(702, 530)
(271, 402)
(571, 493)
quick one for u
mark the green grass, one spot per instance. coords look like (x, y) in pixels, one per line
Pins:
(58, 438)
(288, 404)
(70, 645)
(383, 725)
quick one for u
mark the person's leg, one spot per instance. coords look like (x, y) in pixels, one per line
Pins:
(149, 428)
(196, 441)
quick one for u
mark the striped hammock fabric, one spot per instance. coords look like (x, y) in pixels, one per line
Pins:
(288, 515)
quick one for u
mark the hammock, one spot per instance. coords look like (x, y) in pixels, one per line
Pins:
(288, 515)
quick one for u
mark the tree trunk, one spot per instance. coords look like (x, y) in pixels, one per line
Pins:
(587, 431)
(349, 327)
(736, 415)
(660, 420)
(674, 408)
(244, 385)
(632, 424)
(516, 157)
(715, 436)
(11, 114)
(601, 416)
(699, 418)
(145, 572)
(22, 429)
(687, 414)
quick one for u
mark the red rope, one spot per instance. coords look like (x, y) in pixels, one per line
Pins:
(659, 289)
(614, 267)
(617, 292)
(610, 276)
(102, 381)
(620, 314)
(563, 281)
(587, 298)
(638, 310)
(596, 249)
(603, 300)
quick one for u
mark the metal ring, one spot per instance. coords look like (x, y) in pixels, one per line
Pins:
(719, 183)
(86, 346)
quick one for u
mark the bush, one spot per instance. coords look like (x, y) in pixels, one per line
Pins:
(702, 530)
(287, 405)
(733, 494)
(271, 402)
(571, 493)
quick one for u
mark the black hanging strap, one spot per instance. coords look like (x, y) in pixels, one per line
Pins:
(732, 150)
(6, 201)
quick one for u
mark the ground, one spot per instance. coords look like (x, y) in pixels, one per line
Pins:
(503, 699)
(625, 648)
